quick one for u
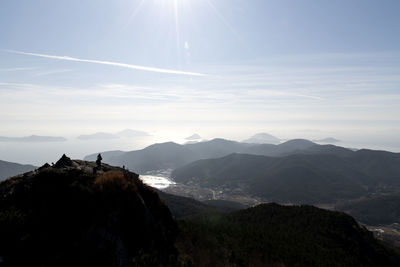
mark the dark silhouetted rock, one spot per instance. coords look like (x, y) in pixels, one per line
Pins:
(63, 162)
(45, 166)
(67, 216)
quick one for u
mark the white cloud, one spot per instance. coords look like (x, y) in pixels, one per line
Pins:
(116, 64)
(16, 69)
(337, 100)
(51, 72)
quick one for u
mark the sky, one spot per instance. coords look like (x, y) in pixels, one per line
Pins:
(219, 68)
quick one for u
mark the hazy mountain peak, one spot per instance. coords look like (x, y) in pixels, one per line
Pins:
(221, 140)
(193, 137)
(97, 136)
(298, 144)
(165, 144)
(126, 133)
(131, 133)
(263, 138)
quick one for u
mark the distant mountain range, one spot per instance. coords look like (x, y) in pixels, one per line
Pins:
(193, 137)
(9, 169)
(33, 138)
(97, 136)
(297, 171)
(131, 133)
(317, 174)
(169, 155)
(172, 155)
(127, 133)
(263, 138)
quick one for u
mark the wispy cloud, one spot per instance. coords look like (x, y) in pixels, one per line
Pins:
(51, 72)
(110, 63)
(17, 69)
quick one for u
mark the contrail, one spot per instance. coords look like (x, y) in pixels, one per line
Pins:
(117, 64)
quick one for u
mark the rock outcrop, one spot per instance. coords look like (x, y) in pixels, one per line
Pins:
(66, 215)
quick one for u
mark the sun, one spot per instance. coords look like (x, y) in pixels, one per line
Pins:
(176, 18)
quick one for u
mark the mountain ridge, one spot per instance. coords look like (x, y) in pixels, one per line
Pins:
(9, 169)
(297, 178)
(187, 153)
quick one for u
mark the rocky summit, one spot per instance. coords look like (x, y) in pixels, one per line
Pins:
(76, 213)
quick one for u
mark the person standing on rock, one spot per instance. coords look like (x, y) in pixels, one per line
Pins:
(98, 161)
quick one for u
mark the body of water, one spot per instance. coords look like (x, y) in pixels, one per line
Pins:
(38, 153)
(156, 181)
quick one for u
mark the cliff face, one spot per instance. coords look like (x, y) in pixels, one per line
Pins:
(71, 215)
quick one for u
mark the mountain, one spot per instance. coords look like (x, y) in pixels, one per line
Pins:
(98, 136)
(297, 178)
(295, 146)
(274, 235)
(33, 138)
(316, 174)
(79, 214)
(382, 165)
(171, 155)
(155, 157)
(262, 138)
(329, 149)
(128, 133)
(8, 169)
(193, 137)
(216, 148)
